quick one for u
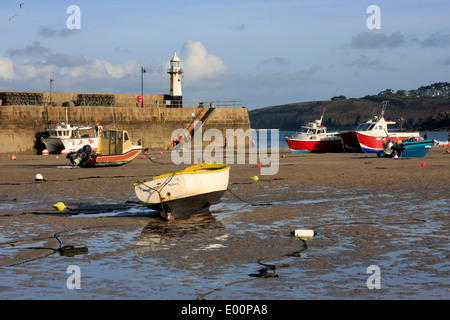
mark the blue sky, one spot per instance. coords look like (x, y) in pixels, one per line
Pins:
(260, 52)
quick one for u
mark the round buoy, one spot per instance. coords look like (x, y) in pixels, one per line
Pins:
(160, 152)
(38, 177)
(259, 165)
(283, 156)
(395, 157)
(423, 164)
(60, 206)
(45, 152)
(57, 157)
(13, 157)
(448, 151)
(255, 178)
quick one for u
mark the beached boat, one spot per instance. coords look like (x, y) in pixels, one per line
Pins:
(114, 149)
(369, 137)
(65, 138)
(314, 138)
(183, 193)
(406, 149)
(350, 141)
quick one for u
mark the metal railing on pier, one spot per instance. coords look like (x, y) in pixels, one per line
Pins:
(192, 104)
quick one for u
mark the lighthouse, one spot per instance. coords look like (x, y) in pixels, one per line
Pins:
(175, 72)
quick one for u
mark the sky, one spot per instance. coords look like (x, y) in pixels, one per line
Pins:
(262, 53)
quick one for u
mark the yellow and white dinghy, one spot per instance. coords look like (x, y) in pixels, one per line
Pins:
(185, 192)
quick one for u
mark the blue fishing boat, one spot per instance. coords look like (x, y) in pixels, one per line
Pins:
(407, 149)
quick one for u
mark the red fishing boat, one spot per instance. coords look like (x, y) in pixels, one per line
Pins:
(371, 136)
(315, 138)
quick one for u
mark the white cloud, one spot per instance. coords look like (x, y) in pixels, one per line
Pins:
(201, 69)
(117, 70)
(6, 68)
(85, 69)
(198, 63)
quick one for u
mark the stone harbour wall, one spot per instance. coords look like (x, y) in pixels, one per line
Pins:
(20, 124)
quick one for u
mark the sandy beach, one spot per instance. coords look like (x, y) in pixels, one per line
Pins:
(365, 211)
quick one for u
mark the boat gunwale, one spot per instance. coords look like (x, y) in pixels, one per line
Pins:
(197, 169)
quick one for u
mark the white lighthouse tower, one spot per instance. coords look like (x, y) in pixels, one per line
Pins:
(175, 72)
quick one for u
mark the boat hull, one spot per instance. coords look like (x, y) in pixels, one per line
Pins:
(53, 145)
(185, 207)
(416, 149)
(350, 141)
(407, 149)
(302, 146)
(72, 145)
(98, 160)
(374, 143)
(185, 192)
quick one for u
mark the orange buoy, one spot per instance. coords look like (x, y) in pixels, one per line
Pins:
(423, 164)
(13, 157)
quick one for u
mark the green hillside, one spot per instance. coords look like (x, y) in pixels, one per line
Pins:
(412, 112)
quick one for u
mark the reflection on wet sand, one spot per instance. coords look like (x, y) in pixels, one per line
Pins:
(202, 230)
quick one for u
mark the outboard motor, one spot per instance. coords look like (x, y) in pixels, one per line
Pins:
(389, 148)
(392, 149)
(82, 154)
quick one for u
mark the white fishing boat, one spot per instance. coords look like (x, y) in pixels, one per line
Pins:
(65, 138)
(183, 193)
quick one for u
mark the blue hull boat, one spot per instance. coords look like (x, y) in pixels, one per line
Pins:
(407, 149)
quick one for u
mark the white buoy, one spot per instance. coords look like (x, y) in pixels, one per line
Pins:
(299, 233)
(45, 152)
(38, 177)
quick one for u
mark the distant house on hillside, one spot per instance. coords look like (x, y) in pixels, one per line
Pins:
(435, 90)
(430, 93)
(387, 91)
(404, 93)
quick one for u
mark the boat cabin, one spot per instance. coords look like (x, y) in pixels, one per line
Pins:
(114, 142)
(61, 130)
(376, 124)
(309, 130)
(66, 131)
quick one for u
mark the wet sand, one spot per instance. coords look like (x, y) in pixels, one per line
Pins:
(364, 209)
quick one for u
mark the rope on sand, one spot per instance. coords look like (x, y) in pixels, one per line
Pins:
(263, 273)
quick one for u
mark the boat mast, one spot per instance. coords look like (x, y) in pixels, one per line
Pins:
(320, 121)
(383, 108)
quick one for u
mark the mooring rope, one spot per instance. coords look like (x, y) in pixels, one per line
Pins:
(254, 204)
(262, 273)
(53, 250)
